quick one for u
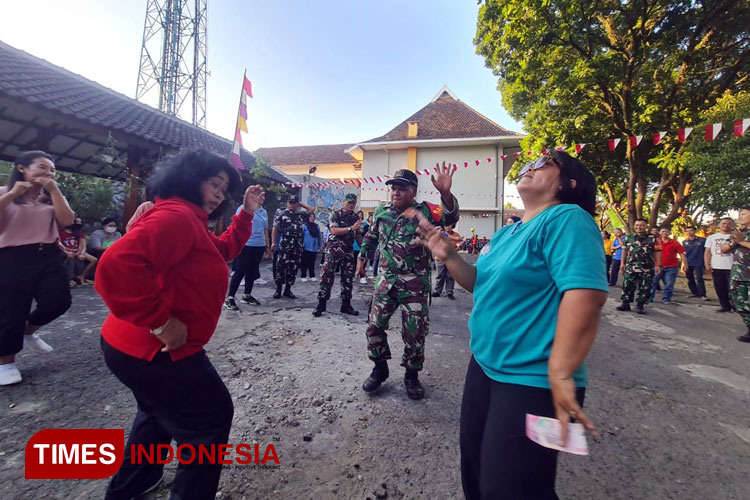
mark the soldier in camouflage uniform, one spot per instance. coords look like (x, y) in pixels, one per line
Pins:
(639, 254)
(345, 228)
(739, 279)
(287, 224)
(404, 277)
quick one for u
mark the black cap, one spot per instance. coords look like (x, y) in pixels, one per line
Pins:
(293, 199)
(404, 176)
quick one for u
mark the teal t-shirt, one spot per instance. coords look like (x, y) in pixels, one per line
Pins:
(521, 276)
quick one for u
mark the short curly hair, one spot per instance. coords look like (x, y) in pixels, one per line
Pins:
(181, 176)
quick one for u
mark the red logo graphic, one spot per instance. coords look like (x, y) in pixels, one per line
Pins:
(74, 453)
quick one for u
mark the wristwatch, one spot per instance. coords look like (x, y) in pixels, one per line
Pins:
(350, 229)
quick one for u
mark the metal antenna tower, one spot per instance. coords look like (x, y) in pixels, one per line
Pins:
(173, 29)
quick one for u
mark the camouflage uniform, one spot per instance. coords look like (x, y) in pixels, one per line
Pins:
(739, 279)
(291, 238)
(403, 280)
(339, 250)
(639, 267)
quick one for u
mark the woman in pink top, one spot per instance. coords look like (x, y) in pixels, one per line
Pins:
(31, 263)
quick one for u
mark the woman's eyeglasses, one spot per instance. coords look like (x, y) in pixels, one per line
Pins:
(536, 165)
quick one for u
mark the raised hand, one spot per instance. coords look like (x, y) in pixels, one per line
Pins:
(20, 188)
(444, 179)
(432, 237)
(254, 198)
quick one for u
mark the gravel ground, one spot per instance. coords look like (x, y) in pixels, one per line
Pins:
(669, 391)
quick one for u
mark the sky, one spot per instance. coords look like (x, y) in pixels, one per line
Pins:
(323, 72)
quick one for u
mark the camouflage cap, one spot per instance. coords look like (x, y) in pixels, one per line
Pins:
(350, 197)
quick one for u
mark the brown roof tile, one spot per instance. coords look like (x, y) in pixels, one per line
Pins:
(301, 155)
(447, 118)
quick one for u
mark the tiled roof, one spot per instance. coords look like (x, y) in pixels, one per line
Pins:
(28, 79)
(301, 155)
(446, 118)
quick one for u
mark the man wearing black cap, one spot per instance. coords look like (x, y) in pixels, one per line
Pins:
(345, 228)
(288, 224)
(404, 279)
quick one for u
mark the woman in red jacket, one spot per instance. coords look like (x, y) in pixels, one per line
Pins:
(164, 283)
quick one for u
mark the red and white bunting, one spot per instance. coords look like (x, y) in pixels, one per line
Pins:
(503, 157)
(558, 148)
(580, 146)
(544, 151)
(712, 131)
(516, 154)
(466, 164)
(683, 133)
(658, 137)
(489, 160)
(740, 126)
(635, 141)
(613, 144)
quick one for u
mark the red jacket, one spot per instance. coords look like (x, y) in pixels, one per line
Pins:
(168, 264)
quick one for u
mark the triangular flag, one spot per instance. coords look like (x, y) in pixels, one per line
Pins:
(516, 154)
(544, 151)
(658, 137)
(712, 131)
(419, 172)
(247, 87)
(529, 153)
(560, 148)
(580, 146)
(613, 144)
(489, 160)
(740, 126)
(466, 164)
(683, 133)
(235, 158)
(503, 157)
(635, 141)
(477, 162)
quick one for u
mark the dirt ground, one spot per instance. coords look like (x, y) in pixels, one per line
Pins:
(669, 391)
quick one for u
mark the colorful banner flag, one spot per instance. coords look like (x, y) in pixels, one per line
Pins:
(247, 87)
(580, 146)
(635, 141)
(740, 126)
(658, 137)
(613, 144)
(712, 131)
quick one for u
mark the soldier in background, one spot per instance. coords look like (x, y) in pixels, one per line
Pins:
(639, 253)
(287, 226)
(345, 228)
(444, 278)
(739, 280)
(405, 274)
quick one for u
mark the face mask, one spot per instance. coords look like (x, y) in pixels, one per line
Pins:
(110, 229)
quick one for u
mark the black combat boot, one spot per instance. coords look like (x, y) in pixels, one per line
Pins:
(640, 309)
(320, 309)
(277, 295)
(413, 388)
(624, 307)
(288, 292)
(377, 377)
(346, 307)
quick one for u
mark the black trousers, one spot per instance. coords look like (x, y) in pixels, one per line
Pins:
(30, 273)
(721, 284)
(308, 263)
(183, 400)
(246, 265)
(695, 281)
(498, 461)
(609, 264)
(614, 272)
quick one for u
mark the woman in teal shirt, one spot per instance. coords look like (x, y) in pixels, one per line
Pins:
(538, 287)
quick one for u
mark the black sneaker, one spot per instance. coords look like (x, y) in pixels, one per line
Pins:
(231, 304)
(625, 306)
(249, 299)
(450, 296)
(640, 309)
(436, 294)
(288, 293)
(722, 310)
(744, 338)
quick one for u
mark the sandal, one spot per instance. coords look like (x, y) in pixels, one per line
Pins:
(72, 283)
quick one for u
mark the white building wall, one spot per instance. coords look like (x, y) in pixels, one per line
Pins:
(380, 163)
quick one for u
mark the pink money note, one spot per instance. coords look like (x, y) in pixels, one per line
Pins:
(546, 432)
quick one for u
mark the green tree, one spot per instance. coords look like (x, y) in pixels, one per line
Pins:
(574, 70)
(721, 167)
(90, 198)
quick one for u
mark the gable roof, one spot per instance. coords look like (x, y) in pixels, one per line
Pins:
(299, 155)
(446, 117)
(36, 94)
